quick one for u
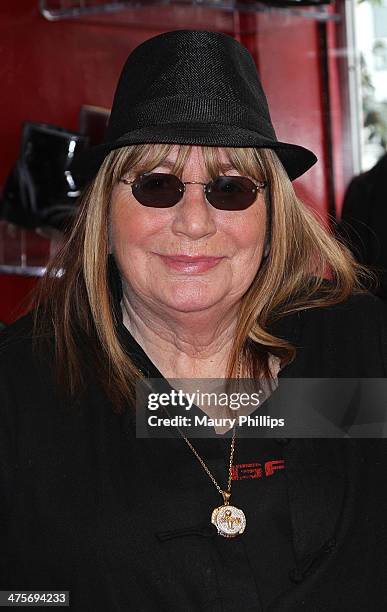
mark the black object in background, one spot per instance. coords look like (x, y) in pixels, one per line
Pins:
(363, 224)
(93, 122)
(41, 189)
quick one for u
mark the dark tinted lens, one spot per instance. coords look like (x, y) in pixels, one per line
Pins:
(231, 192)
(158, 190)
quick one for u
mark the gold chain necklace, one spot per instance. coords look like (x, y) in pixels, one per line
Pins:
(229, 520)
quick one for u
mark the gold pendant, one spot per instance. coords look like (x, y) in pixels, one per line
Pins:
(229, 520)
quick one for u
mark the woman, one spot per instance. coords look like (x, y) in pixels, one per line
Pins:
(212, 270)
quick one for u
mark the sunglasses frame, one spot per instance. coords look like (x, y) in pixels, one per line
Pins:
(258, 187)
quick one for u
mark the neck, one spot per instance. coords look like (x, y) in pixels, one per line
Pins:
(182, 344)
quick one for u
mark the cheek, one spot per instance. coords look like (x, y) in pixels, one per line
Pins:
(130, 225)
(248, 235)
(248, 231)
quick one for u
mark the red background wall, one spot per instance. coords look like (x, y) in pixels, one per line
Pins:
(49, 69)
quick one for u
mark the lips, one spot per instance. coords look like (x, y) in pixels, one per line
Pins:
(187, 263)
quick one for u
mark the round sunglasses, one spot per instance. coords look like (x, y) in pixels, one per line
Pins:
(161, 190)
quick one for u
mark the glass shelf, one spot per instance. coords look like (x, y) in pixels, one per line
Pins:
(26, 252)
(129, 12)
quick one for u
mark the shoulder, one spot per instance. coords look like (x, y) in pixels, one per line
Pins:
(356, 304)
(345, 339)
(18, 382)
(17, 345)
(24, 370)
(20, 338)
(361, 311)
(363, 314)
(16, 336)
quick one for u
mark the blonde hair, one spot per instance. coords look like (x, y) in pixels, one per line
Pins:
(73, 301)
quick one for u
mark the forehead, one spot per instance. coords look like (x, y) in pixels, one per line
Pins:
(195, 157)
(196, 153)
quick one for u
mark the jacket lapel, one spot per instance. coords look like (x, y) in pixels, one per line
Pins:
(316, 471)
(316, 477)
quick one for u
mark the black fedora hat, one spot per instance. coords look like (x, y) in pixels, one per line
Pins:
(192, 87)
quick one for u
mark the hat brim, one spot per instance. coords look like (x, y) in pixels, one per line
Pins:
(295, 158)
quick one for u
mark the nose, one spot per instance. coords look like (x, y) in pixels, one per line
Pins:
(194, 216)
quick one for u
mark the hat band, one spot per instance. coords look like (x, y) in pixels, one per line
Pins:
(178, 110)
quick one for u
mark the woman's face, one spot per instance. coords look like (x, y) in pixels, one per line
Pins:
(143, 240)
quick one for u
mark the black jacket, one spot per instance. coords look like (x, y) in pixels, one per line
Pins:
(123, 523)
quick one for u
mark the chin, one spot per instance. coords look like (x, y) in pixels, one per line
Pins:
(189, 306)
(189, 302)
